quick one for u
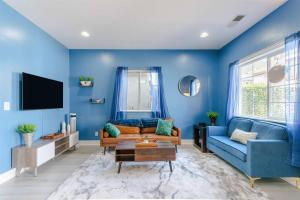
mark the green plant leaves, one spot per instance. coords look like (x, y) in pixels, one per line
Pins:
(26, 128)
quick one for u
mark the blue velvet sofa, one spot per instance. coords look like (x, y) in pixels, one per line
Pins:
(264, 157)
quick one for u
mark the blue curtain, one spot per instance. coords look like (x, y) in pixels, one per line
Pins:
(158, 102)
(232, 91)
(119, 102)
(292, 54)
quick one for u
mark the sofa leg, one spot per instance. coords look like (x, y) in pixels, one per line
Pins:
(298, 183)
(104, 150)
(252, 181)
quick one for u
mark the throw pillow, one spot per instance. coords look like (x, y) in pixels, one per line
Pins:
(242, 136)
(174, 133)
(164, 127)
(112, 130)
(105, 135)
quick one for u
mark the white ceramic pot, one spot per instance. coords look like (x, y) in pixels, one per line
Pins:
(86, 83)
(28, 138)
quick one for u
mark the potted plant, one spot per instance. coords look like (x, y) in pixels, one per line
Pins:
(213, 117)
(27, 131)
(86, 81)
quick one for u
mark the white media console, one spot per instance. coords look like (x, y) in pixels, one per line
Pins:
(42, 151)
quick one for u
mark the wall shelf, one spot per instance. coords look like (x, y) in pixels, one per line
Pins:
(97, 101)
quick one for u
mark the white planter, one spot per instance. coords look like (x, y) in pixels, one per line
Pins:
(28, 138)
(86, 83)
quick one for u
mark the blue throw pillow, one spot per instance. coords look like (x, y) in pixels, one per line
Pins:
(149, 122)
(164, 127)
(127, 122)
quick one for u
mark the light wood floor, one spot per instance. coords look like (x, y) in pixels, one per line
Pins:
(53, 173)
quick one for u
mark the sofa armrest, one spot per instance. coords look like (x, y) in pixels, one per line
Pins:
(179, 134)
(216, 130)
(266, 156)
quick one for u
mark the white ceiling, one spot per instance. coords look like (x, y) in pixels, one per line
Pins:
(143, 24)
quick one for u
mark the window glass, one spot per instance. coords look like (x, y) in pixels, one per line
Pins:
(138, 91)
(260, 98)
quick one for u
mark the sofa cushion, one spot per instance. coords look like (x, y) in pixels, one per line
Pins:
(128, 129)
(127, 122)
(155, 137)
(122, 137)
(149, 122)
(236, 149)
(269, 131)
(240, 123)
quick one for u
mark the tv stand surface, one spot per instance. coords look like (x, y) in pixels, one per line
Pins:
(42, 151)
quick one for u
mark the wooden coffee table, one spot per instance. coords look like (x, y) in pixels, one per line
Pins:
(127, 152)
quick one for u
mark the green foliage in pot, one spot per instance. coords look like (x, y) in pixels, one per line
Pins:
(90, 79)
(81, 78)
(26, 128)
(212, 115)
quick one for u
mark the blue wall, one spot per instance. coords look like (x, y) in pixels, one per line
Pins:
(26, 48)
(175, 64)
(272, 29)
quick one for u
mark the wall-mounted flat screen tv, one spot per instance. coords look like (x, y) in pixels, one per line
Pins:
(40, 93)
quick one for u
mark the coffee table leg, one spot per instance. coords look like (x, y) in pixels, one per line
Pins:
(170, 164)
(119, 168)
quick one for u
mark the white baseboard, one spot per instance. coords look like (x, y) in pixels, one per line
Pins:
(291, 181)
(6, 176)
(187, 141)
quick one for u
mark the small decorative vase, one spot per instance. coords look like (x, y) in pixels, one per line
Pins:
(213, 121)
(28, 139)
(63, 127)
(68, 129)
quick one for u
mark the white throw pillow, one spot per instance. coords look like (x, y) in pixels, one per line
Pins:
(242, 136)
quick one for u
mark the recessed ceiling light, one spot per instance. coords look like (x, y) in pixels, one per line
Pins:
(85, 34)
(204, 35)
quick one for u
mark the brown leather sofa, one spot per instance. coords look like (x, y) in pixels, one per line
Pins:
(129, 133)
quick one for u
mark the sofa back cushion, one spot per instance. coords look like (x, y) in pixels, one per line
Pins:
(269, 131)
(149, 122)
(127, 122)
(128, 129)
(239, 123)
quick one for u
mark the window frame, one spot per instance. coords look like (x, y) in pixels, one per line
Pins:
(267, 53)
(139, 71)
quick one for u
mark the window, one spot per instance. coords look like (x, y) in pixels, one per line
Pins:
(260, 98)
(138, 94)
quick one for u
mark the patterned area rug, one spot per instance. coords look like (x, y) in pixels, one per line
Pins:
(195, 175)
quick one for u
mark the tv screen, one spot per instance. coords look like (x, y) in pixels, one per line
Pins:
(41, 93)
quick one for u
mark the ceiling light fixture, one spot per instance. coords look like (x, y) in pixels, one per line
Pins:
(204, 35)
(85, 34)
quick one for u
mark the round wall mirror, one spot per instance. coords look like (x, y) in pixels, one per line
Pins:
(189, 86)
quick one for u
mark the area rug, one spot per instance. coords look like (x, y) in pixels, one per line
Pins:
(195, 175)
